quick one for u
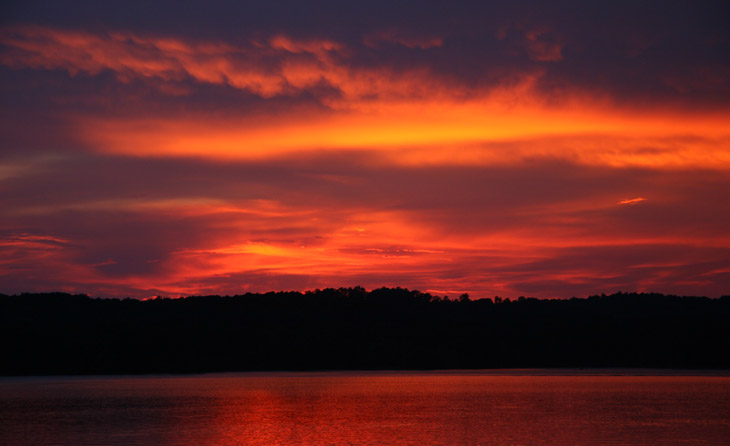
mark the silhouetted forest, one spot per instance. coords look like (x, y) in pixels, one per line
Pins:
(351, 328)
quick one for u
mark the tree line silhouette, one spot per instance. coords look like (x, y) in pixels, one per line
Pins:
(351, 328)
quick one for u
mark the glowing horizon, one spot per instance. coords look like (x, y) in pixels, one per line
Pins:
(142, 161)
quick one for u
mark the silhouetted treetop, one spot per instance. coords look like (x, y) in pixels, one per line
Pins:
(352, 328)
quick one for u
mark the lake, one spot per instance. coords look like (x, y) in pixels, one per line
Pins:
(512, 407)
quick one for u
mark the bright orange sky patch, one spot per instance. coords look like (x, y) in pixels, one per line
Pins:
(515, 157)
(440, 132)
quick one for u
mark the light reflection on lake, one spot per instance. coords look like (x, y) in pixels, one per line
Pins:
(360, 408)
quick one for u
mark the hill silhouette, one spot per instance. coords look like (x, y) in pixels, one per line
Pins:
(351, 328)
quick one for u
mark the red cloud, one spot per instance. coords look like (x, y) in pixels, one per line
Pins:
(277, 67)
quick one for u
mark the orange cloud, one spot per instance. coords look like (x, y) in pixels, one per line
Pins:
(428, 133)
(407, 121)
(257, 245)
(320, 47)
(409, 117)
(632, 201)
(279, 66)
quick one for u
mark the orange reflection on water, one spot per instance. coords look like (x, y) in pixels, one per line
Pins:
(506, 407)
(470, 409)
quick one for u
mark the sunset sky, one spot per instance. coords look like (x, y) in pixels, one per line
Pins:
(547, 149)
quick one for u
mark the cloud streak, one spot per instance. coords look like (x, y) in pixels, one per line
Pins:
(408, 116)
(277, 66)
(545, 229)
(488, 149)
(632, 201)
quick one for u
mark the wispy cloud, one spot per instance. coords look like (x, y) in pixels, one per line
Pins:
(632, 201)
(485, 148)
(278, 66)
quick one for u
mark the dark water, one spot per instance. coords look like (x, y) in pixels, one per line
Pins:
(457, 408)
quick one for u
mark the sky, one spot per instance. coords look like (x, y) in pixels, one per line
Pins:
(547, 149)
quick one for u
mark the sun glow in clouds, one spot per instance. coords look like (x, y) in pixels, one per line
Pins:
(488, 160)
(378, 109)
